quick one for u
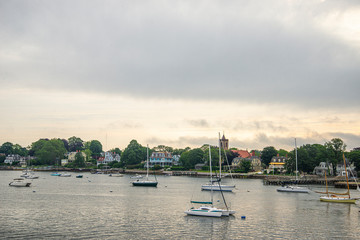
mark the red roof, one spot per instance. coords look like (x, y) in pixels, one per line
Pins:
(242, 153)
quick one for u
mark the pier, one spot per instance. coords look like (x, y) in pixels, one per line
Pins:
(308, 180)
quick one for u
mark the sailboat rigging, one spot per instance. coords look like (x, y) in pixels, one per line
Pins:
(208, 209)
(215, 185)
(291, 188)
(338, 197)
(146, 182)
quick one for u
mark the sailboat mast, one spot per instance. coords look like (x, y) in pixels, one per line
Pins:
(210, 175)
(219, 157)
(296, 171)
(327, 191)
(347, 180)
(147, 161)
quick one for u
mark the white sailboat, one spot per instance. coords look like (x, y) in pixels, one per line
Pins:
(215, 185)
(207, 209)
(291, 188)
(146, 182)
(338, 197)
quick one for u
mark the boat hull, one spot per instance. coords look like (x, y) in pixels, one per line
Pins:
(293, 189)
(145, 184)
(338, 199)
(223, 188)
(19, 184)
(203, 213)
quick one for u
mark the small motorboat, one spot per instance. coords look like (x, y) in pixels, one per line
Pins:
(79, 176)
(65, 175)
(115, 175)
(19, 182)
(137, 176)
(55, 174)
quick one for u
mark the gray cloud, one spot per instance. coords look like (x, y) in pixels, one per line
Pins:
(198, 122)
(237, 51)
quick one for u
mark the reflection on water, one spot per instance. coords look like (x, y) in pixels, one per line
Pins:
(101, 207)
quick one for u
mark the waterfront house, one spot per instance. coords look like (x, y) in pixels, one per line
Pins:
(71, 157)
(340, 170)
(108, 157)
(163, 159)
(11, 158)
(277, 163)
(322, 168)
(244, 155)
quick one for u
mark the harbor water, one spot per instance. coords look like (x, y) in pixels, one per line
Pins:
(98, 206)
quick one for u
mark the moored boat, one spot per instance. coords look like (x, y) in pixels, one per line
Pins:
(208, 209)
(147, 182)
(19, 182)
(338, 197)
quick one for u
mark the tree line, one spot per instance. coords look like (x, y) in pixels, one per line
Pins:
(51, 151)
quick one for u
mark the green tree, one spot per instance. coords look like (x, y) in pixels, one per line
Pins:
(163, 148)
(267, 154)
(133, 154)
(335, 147)
(96, 148)
(180, 150)
(75, 144)
(6, 148)
(354, 156)
(283, 153)
(245, 166)
(88, 154)
(17, 149)
(192, 157)
(205, 157)
(37, 146)
(79, 160)
(50, 151)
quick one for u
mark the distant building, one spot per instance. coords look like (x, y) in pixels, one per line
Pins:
(322, 168)
(244, 155)
(71, 157)
(162, 159)
(199, 166)
(11, 158)
(224, 143)
(340, 170)
(278, 163)
(176, 159)
(108, 157)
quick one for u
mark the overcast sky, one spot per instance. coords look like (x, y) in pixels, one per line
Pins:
(178, 72)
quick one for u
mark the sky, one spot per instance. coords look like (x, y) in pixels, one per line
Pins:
(177, 73)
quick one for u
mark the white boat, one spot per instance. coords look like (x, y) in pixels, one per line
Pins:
(65, 175)
(137, 176)
(290, 188)
(147, 182)
(294, 189)
(338, 197)
(207, 209)
(115, 175)
(19, 182)
(215, 185)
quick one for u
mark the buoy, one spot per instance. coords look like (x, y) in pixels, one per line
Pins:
(243, 217)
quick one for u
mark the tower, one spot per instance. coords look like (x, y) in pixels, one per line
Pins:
(224, 143)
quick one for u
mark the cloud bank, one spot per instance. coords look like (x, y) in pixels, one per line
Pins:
(267, 52)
